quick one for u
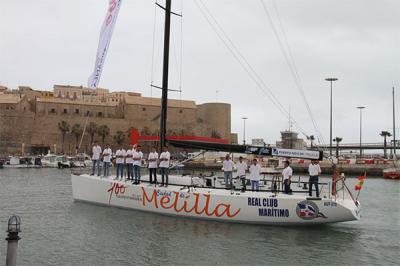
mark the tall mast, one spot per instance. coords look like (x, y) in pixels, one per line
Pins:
(164, 99)
(394, 126)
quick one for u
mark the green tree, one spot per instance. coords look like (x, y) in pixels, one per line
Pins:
(311, 138)
(119, 137)
(337, 140)
(92, 129)
(129, 131)
(64, 127)
(76, 130)
(103, 132)
(385, 134)
(145, 131)
(215, 134)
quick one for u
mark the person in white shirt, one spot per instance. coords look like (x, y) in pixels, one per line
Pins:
(314, 170)
(255, 171)
(241, 168)
(129, 163)
(287, 177)
(120, 161)
(137, 163)
(227, 167)
(96, 150)
(153, 165)
(165, 156)
(106, 160)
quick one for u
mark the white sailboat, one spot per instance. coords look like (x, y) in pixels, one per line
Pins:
(206, 198)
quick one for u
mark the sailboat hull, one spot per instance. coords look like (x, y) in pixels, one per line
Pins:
(214, 204)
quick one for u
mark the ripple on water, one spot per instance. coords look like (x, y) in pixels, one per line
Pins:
(58, 231)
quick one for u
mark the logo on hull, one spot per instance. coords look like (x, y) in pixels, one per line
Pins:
(308, 210)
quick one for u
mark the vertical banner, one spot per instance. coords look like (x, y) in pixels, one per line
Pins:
(104, 41)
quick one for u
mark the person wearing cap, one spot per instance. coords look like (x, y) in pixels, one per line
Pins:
(227, 167)
(314, 170)
(287, 177)
(241, 168)
(255, 171)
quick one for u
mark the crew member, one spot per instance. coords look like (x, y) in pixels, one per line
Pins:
(287, 177)
(227, 167)
(120, 161)
(96, 158)
(241, 168)
(255, 170)
(314, 170)
(153, 158)
(164, 165)
(106, 160)
(129, 163)
(137, 163)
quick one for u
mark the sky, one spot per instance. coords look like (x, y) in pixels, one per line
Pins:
(47, 42)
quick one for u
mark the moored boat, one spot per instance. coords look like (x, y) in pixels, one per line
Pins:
(391, 173)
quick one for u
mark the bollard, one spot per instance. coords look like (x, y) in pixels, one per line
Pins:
(14, 227)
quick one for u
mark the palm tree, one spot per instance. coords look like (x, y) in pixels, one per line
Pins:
(77, 131)
(63, 126)
(385, 134)
(311, 138)
(337, 140)
(215, 134)
(145, 131)
(103, 132)
(119, 137)
(92, 129)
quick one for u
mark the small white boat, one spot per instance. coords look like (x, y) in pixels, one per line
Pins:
(55, 161)
(203, 198)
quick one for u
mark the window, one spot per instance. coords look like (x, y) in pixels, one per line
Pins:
(144, 109)
(180, 111)
(65, 111)
(77, 111)
(100, 114)
(53, 111)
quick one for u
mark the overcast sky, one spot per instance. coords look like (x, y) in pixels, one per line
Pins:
(47, 42)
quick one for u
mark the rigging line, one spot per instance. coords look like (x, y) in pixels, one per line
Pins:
(175, 54)
(152, 54)
(286, 51)
(239, 56)
(245, 60)
(245, 64)
(252, 74)
(181, 56)
(290, 62)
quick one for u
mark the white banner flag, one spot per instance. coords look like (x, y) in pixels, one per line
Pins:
(104, 41)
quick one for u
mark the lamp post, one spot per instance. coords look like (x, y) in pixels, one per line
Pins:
(331, 80)
(14, 227)
(244, 130)
(360, 108)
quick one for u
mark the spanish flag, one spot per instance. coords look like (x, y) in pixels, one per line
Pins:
(360, 182)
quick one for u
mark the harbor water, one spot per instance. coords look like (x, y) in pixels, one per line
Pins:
(58, 231)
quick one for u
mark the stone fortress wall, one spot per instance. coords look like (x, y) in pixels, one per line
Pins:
(29, 118)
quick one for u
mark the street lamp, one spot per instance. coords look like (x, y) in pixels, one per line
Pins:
(14, 227)
(360, 108)
(331, 80)
(244, 130)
